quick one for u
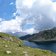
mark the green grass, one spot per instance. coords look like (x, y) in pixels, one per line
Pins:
(18, 49)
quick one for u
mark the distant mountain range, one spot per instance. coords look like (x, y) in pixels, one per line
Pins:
(17, 34)
(46, 35)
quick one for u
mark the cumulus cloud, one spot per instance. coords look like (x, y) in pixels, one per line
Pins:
(12, 25)
(31, 16)
(29, 31)
(40, 13)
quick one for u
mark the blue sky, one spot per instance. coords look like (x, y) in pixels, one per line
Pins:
(28, 16)
(54, 0)
(7, 8)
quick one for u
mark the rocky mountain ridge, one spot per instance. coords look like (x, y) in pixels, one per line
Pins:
(46, 35)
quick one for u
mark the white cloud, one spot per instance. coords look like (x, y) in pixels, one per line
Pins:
(40, 13)
(0, 19)
(54, 6)
(28, 3)
(11, 3)
(30, 31)
(12, 25)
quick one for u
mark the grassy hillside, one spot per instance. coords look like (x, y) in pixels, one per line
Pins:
(11, 46)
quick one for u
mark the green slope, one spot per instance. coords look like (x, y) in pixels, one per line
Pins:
(11, 46)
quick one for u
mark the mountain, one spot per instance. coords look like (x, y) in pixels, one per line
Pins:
(18, 34)
(12, 46)
(46, 35)
(26, 37)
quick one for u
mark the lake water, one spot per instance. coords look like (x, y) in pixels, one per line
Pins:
(46, 46)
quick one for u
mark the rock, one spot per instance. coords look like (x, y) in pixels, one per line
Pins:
(8, 52)
(6, 46)
(11, 38)
(25, 53)
(28, 47)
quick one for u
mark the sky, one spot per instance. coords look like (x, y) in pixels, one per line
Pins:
(30, 16)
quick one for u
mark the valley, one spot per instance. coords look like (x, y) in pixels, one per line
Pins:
(12, 46)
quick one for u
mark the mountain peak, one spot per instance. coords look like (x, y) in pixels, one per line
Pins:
(46, 35)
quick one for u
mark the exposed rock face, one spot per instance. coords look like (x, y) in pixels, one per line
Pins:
(46, 35)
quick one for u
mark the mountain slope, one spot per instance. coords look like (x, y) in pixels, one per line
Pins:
(11, 46)
(46, 35)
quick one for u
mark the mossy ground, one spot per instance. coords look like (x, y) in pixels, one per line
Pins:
(18, 49)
